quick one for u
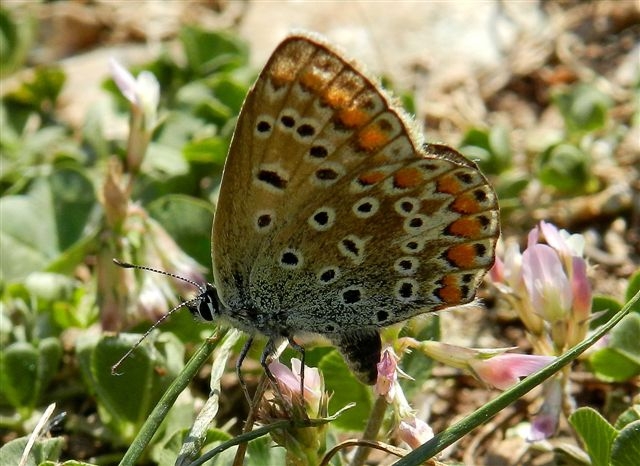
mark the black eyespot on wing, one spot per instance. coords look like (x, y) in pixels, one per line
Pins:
(406, 206)
(264, 220)
(405, 264)
(327, 275)
(263, 126)
(480, 195)
(416, 222)
(306, 130)
(365, 207)
(321, 218)
(351, 246)
(319, 152)
(351, 296)
(382, 316)
(272, 178)
(289, 258)
(406, 290)
(326, 174)
(466, 178)
(288, 121)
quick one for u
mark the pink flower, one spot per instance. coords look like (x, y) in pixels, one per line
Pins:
(545, 423)
(288, 381)
(582, 298)
(414, 431)
(504, 370)
(566, 244)
(495, 367)
(387, 375)
(546, 282)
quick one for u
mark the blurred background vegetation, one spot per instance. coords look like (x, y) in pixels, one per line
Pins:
(553, 122)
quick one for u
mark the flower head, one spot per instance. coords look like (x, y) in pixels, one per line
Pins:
(548, 283)
(290, 402)
(143, 94)
(387, 375)
(504, 370)
(494, 367)
(545, 423)
(313, 400)
(414, 431)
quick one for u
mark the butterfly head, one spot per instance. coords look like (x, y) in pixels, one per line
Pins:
(206, 306)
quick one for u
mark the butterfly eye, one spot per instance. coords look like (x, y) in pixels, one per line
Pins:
(206, 306)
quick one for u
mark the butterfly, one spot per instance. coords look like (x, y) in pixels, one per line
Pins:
(334, 218)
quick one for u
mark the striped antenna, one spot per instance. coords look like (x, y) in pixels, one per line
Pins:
(127, 265)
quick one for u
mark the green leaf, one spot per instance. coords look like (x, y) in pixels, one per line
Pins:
(262, 451)
(345, 389)
(620, 360)
(42, 451)
(49, 357)
(610, 366)
(626, 447)
(26, 371)
(164, 160)
(126, 399)
(630, 415)
(209, 150)
(509, 185)
(583, 107)
(415, 363)
(40, 92)
(229, 90)
(188, 220)
(564, 167)
(624, 338)
(491, 149)
(208, 51)
(632, 288)
(596, 434)
(41, 224)
(17, 33)
(73, 199)
(606, 307)
(19, 374)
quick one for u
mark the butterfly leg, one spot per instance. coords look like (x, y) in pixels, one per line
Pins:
(270, 350)
(300, 350)
(241, 358)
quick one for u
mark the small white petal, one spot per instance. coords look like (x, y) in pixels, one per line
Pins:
(124, 80)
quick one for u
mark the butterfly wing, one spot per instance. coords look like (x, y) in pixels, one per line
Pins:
(334, 218)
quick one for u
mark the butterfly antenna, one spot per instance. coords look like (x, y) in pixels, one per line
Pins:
(127, 265)
(114, 368)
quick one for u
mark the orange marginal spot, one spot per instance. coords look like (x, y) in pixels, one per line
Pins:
(336, 98)
(466, 204)
(352, 117)
(282, 75)
(372, 138)
(371, 178)
(407, 177)
(450, 292)
(462, 255)
(468, 227)
(312, 81)
(448, 184)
